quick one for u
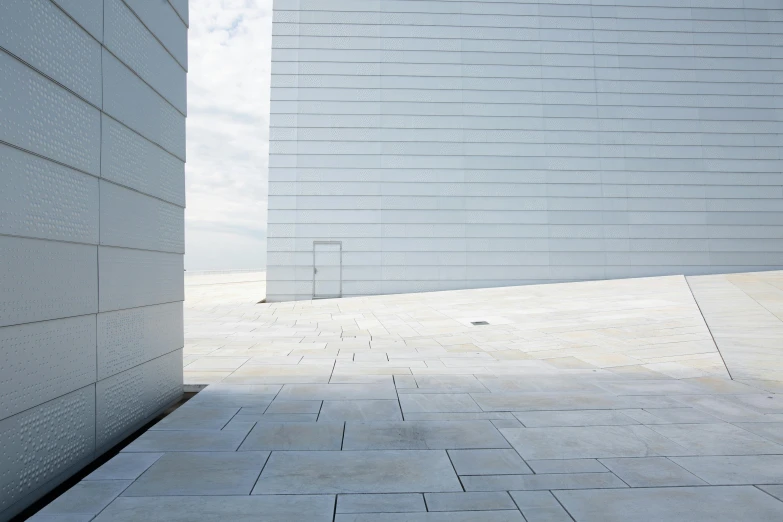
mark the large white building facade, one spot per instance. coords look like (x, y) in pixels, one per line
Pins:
(92, 196)
(440, 144)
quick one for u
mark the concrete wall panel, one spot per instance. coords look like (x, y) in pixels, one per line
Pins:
(68, 199)
(135, 45)
(128, 159)
(88, 13)
(42, 443)
(127, 400)
(127, 338)
(128, 99)
(45, 360)
(132, 278)
(46, 38)
(134, 220)
(161, 18)
(44, 118)
(42, 280)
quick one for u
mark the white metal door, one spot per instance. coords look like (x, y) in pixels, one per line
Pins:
(327, 269)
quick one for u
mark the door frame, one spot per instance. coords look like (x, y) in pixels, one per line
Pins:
(340, 244)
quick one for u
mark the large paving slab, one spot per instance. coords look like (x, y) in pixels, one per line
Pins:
(296, 472)
(599, 401)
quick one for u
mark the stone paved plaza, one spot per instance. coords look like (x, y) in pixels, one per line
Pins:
(599, 401)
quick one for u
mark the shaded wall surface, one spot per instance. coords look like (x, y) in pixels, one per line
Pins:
(92, 196)
(454, 143)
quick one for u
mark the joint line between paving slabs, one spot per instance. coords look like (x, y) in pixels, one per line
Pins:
(259, 473)
(696, 302)
(561, 505)
(448, 455)
(394, 381)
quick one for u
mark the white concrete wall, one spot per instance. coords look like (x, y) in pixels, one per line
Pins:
(462, 143)
(92, 196)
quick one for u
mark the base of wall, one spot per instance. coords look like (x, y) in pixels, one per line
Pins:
(32, 497)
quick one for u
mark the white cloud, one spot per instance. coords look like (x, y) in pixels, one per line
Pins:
(228, 133)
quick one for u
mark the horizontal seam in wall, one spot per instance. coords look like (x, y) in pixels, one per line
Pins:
(57, 83)
(528, 41)
(140, 364)
(184, 67)
(179, 253)
(177, 13)
(528, 66)
(174, 253)
(37, 155)
(140, 306)
(50, 320)
(153, 89)
(92, 384)
(533, 15)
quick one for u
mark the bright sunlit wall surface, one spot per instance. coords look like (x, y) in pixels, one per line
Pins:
(92, 191)
(457, 144)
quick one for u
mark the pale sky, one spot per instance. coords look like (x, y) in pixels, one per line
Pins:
(228, 134)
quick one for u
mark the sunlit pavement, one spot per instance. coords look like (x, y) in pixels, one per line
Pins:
(597, 401)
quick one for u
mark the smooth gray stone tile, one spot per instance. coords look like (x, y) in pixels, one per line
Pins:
(239, 425)
(484, 415)
(188, 440)
(590, 442)
(547, 401)
(536, 383)
(254, 390)
(229, 400)
(534, 419)
(405, 382)
(730, 470)
(437, 402)
(772, 431)
(540, 506)
(337, 392)
(189, 417)
(422, 435)
(273, 508)
(294, 436)
(467, 516)
(360, 411)
(685, 504)
(651, 472)
(200, 473)
(282, 406)
(357, 472)
(449, 383)
(86, 498)
(124, 466)
(722, 407)
(277, 417)
(775, 491)
(469, 501)
(488, 462)
(715, 439)
(763, 403)
(253, 379)
(541, 482)
(507, 423)
(567, 466)
(650, 387)
(38, 517)
(381, 503)
(673, 416)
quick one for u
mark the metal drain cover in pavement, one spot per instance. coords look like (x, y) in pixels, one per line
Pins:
(479, 323)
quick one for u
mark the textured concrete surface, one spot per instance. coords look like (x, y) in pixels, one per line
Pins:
(581, 401)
